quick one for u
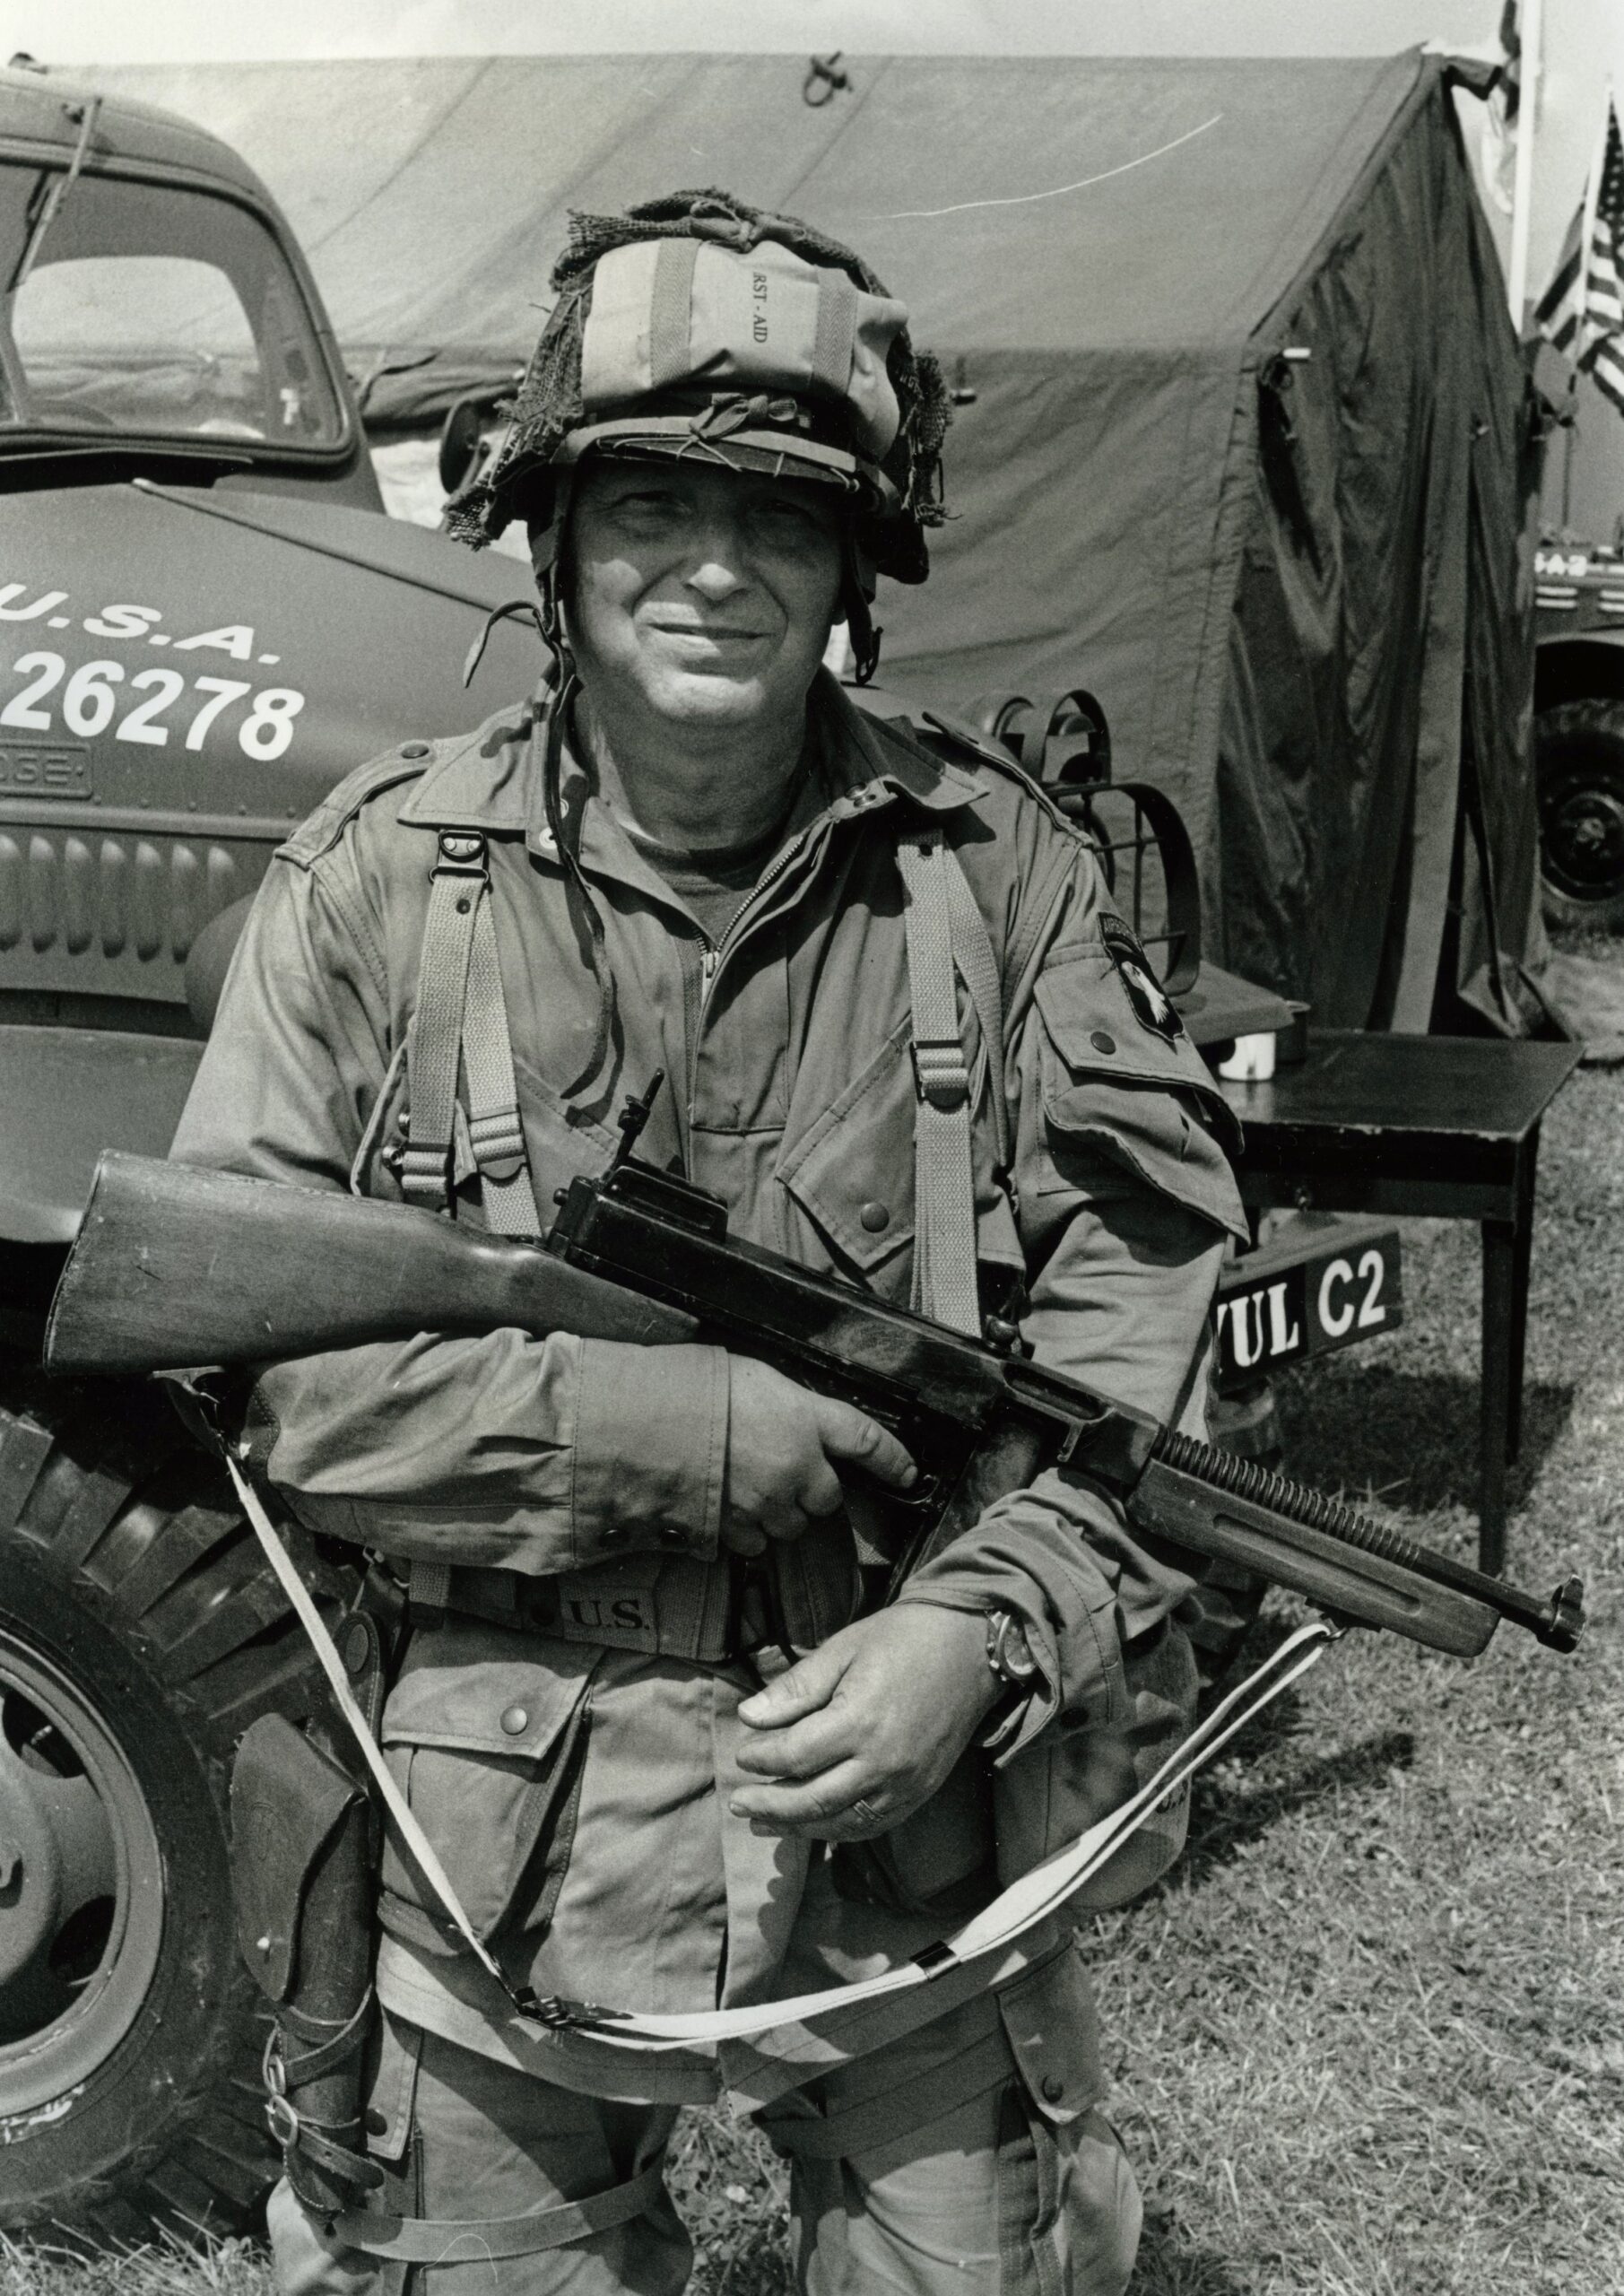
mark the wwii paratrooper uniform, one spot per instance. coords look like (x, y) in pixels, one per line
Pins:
(455, 973)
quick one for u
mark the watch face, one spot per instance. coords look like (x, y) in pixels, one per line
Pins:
(1008, 1652)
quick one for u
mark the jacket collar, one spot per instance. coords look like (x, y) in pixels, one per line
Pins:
(491, 779)
(483, 779)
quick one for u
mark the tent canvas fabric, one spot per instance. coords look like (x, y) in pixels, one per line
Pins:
(1243, 444)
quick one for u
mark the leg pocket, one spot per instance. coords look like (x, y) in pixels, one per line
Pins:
(488, 1750)
(1069, 2209)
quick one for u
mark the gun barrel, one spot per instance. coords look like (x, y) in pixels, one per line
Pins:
(1558, 1623)
(177, 1266)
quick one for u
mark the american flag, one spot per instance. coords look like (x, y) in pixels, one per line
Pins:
(1582, 311)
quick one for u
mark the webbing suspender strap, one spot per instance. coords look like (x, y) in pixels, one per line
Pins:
(946, 936)
(434, 1054)
(493, 1100)
(462, 1026)
(977, 968)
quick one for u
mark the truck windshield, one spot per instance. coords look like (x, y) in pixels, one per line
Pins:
(151, 311)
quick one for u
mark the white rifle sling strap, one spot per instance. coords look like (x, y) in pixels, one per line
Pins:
(993, 1935)
(462, 1027)
(945, 935)
(406, 1828)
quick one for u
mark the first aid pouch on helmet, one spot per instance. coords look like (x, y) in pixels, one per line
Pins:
(672, 312)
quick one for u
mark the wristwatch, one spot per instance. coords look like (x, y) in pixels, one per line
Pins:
(1009, 1654)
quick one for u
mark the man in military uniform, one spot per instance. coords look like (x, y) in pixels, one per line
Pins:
(694, 854)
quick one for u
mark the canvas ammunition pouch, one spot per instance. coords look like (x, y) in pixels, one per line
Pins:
(302, 1877)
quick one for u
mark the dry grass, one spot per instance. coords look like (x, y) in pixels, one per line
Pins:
(1367, 2040)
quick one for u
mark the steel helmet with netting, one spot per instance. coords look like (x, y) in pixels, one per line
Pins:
(696, 325)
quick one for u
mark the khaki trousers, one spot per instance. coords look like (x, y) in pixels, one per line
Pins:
(987, 2197)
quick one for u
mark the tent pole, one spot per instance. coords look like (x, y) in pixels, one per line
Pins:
(1521, 194)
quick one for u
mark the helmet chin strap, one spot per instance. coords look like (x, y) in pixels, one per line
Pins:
(857, 594)
(546, 553)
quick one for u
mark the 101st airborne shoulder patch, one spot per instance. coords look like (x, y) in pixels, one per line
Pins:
(1145, 992)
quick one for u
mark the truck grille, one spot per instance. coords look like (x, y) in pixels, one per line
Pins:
(111, 913)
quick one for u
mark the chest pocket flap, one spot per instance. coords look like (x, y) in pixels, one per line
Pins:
(1127, 1092)
(854, 1170)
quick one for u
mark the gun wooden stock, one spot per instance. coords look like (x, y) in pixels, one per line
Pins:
(176, 1266)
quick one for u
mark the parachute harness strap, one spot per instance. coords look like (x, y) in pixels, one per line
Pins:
(486, 2239)
(462, 1024)
(947, 937)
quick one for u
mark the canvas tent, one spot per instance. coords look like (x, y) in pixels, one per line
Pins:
(1244, 444)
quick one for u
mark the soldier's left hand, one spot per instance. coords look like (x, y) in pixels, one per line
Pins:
(866, 1726)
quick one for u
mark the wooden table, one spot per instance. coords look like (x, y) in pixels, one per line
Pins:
(1443, 1127)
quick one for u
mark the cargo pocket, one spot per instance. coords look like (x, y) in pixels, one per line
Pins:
(1073, 1774)
(1069, 2210)
(488, 1751)
(1068, 2207)
(1116, 1089)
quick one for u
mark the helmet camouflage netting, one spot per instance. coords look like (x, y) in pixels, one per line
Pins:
(872, 413)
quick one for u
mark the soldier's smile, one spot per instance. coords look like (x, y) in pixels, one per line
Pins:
(709, 593)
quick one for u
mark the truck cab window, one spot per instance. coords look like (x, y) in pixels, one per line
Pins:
(155, 311)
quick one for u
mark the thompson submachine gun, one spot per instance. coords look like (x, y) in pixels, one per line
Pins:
(177, 1267)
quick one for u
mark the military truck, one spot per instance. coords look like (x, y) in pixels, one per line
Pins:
(1579, 731)
(205, 622)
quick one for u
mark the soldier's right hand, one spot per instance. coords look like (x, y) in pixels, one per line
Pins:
(785, 1446)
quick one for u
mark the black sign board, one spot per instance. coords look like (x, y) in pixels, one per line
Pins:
(1318, 1286)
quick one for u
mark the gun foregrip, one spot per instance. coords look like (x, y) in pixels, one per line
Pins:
(1353, 1581)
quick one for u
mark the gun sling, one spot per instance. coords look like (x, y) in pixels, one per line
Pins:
(998, 1930)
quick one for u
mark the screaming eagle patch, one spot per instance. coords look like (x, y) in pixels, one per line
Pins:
(1145, 992)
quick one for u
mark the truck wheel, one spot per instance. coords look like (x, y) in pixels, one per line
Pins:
(140, 1633)
(1579, 763)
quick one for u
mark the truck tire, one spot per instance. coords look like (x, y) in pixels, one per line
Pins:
(1579, 765)
(140, 1633)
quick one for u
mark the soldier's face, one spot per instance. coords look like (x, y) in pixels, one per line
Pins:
(702, 595)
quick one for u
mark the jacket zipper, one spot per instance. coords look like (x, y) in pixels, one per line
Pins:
(710, 962)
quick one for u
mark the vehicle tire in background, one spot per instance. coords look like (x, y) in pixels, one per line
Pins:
(140, 1633)
(1219, 1612)
(1579, 769)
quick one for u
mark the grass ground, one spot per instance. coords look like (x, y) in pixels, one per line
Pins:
(1367, 2038)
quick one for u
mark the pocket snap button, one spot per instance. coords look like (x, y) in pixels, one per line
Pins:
(516, 1721)
(874, 1216)
(1054, 2089)
(1102, 1040)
